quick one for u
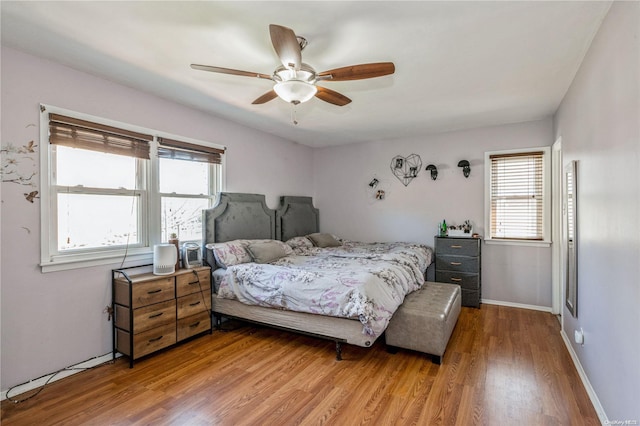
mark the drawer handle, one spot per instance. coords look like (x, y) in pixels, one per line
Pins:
(195, 282)
(195, 303)
(456, 263)
(156, 315)
(195, 325)
(154, 291)
(456, 246)
(456, 279)
(155, 339)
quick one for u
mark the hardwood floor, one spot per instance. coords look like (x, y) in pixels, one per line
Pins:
(502, 366)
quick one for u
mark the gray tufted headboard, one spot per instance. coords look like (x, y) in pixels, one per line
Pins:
(237, 216)
(296, 216)
(246, 216)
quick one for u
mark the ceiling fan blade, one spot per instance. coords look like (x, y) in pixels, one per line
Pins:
(332, 96)
(286, 45)
(230, 71)
(270, 95)
(359, 72)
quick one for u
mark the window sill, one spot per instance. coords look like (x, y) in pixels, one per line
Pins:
(518, 243)
(65, 263)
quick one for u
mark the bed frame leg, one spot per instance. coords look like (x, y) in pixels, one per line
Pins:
(338, 351)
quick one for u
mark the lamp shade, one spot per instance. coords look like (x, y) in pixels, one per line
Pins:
(295, 91)
(165, 257)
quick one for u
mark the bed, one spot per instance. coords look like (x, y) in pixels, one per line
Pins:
(246, 217)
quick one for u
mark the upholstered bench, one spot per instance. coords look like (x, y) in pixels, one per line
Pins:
(425, 321)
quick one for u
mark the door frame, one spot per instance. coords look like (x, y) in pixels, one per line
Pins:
(557, 257)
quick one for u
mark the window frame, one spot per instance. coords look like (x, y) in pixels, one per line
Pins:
(214, 174)
(149, 220)
(546, 199)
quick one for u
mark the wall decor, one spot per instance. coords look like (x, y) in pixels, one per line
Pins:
(466, 168)
(434, 171)
(19, 166)
(376, 188)
(406, 168)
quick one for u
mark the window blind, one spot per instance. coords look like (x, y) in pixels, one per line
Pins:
(76, 133)
(516, 196)
(179, 150)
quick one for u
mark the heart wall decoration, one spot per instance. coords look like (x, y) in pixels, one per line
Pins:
(406, 168)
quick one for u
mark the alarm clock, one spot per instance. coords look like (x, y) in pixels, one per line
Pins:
(191, 255)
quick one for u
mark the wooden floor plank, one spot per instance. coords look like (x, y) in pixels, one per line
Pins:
(502, 366)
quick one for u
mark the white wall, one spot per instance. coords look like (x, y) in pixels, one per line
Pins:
(53, 320)
(599, 122)
(348, 208)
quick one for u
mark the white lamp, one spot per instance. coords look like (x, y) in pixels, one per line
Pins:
(295, 91)
(165, 257)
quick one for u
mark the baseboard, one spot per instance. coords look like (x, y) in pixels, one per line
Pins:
(40, 381)
(585, 380)
(517, 305)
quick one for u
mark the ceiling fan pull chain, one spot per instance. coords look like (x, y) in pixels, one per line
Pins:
(293, 114)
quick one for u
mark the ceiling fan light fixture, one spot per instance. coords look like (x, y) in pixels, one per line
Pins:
(295, 81)
(295, 91)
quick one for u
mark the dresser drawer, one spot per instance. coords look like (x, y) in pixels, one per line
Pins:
(458, 263)
(190, 326)
(154, 339)
(194, 304)
(154, 315)
(192, 282)
(146, 342)
(144, 291)
(464, 280)
(457, 246)
(146, 317)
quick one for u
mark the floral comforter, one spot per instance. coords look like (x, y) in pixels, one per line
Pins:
(356, 280)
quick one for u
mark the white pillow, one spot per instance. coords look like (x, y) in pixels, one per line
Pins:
(230, 253)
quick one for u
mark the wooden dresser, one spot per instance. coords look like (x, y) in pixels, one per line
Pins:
(459, 261)
(152, 312)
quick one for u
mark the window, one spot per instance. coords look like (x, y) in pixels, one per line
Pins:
(186, 172)
(518, 199)
(115, 190)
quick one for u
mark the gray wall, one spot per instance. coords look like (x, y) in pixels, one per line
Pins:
(599, 122)
(515, 274)
(53, 320)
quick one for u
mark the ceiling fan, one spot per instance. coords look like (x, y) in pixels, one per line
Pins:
(295, 81)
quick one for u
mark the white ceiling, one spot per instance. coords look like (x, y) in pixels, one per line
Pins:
(458, 64)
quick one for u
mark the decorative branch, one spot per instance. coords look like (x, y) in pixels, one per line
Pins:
(12, 170)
